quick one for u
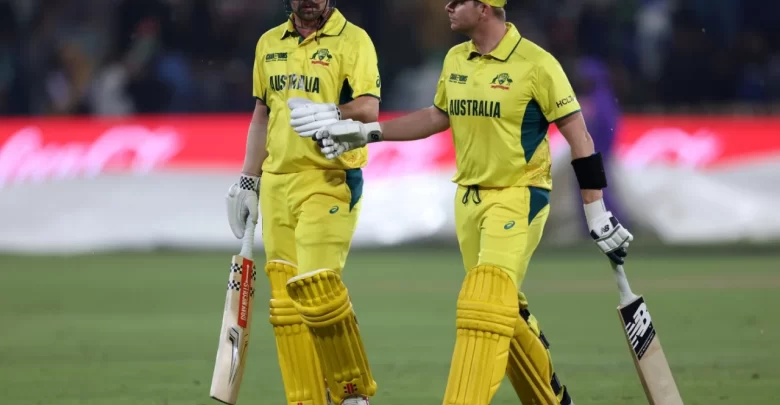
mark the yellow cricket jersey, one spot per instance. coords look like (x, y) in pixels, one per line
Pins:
(334, 65)
(500, 106)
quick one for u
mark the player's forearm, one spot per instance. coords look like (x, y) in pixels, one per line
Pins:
(417, 125)
(364, 109)
(576, 133)
(581, 144)
(256, 152)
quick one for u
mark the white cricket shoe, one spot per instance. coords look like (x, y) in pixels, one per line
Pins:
(355, 400)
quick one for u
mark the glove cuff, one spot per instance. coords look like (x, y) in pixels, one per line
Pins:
(251, 183)
(373, 132)
(595, 210)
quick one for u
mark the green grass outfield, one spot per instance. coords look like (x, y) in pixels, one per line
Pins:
(124, 329)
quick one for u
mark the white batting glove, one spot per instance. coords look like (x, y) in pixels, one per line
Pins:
(609, 234)
(346, 135)
(307, 117)
(242, 203)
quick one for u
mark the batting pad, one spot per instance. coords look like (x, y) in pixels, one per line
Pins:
(323, 302)
(304, 382)
(530, 367)
(485, 320)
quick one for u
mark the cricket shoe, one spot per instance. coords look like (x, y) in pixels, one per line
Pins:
(355, 400)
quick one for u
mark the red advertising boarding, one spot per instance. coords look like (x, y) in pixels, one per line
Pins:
(698, 142)
(41, 149)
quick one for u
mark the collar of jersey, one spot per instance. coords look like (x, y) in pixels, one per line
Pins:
(504, 49)
(333, 27)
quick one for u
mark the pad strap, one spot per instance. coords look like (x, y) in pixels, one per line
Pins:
(590, 172)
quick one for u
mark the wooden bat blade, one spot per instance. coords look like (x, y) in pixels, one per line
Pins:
(234, 332)
(648, 355)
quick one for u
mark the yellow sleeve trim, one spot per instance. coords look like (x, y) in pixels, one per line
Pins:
(368, 95)
(566, 115)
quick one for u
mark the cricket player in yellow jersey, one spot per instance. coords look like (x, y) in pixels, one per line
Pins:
(499, 92)
(309, 204)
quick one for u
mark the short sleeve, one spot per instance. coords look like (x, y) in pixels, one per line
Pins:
(258, 78)
(553, 91)
(440, 99)
(363, 76)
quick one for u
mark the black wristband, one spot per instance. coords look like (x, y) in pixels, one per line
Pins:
(590, 172)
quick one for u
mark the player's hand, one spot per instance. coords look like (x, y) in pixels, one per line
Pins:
(610, 236)
(242, 203)
(346, 135)
(307, 117)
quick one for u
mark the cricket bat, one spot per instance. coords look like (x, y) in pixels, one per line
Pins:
(236, 323)
(644, 345)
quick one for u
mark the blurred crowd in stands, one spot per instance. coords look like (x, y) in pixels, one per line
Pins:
(119, 57)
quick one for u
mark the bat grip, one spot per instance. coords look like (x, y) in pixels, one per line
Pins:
(626, 295)
(248, 241)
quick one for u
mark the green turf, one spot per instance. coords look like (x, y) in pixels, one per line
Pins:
(141, 328)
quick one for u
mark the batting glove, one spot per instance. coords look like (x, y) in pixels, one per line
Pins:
(307, 117)
(609, 234)
(346, 135)
(242, 203)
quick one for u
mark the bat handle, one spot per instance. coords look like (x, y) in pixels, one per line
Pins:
(248, 241)
(626, 295)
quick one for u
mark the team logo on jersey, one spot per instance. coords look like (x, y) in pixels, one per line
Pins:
(321, 57)
(276, 57)
(459, 79)
(502, 81)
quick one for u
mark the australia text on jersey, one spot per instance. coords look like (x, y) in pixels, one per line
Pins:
(295, 81)
(475, 108)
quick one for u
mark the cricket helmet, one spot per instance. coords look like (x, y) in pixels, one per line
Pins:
(494, 3)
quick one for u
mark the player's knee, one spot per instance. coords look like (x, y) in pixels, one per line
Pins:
(279, 271)
(282, 309)
(505, 263)
(488, 301)
(320, 297)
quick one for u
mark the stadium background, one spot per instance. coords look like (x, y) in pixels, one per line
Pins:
(123, 124)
